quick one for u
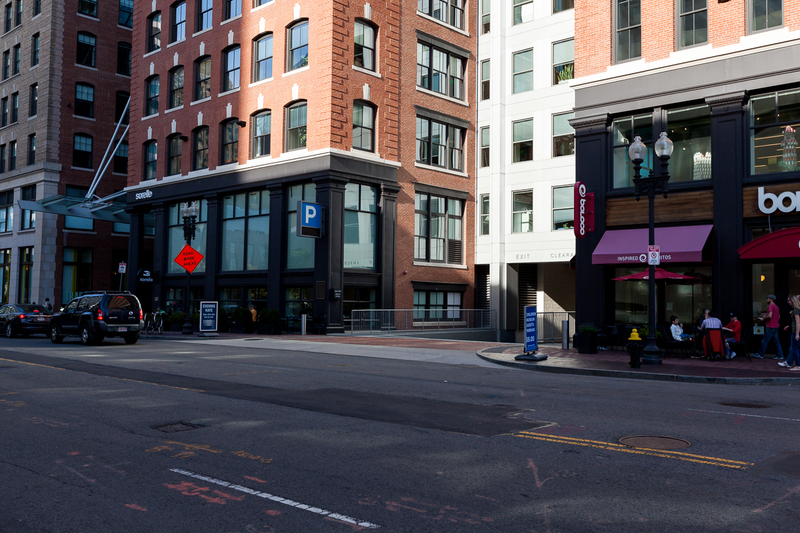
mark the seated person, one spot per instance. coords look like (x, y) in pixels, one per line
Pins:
(677, 330)
(733, 329)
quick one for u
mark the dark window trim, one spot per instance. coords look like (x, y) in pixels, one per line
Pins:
(441, 117)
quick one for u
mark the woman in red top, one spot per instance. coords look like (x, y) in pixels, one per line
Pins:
(734, 328)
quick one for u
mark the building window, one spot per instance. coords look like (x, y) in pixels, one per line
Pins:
(563, 135)
(262, 49)
(121, 111)
(35, 49)
(363, 127)
(87, 7)
(522, 212)
(151, 96)
(694, 22)
(150, 160)
(200, 148)
(245, 231)
(448, 11)
(486, 72)
(37, 10)
(174, 152)
(29, 215)
(298, 46)
(82, 151)
(231, 62)
(485, 137)
(360, 222)
(126, 13)
(300, 249)
(175, 87)
(17, 56)
(233, 8)
(18, 20)
(7, 211)
(429, 305)
(31, 148)
(766, 14)
(262, 134)
(14, 108)
(124, 59)
(523, 71)
(523, 11)
(486, 17)
(624, 130)
(484, 214)
(178, 28)
(77, 277)
(86, 49)
(121, 158)
(563, 61)
(2, 158)
(84, 100)
(522, 132)
(202, 78)
(774, 121)
(33, 100)
(12, 155)
(5, 273)
(25, 274)
(296, 133)
(204, 14)
(154, 32)
(440, 71)
(438, 234)
(364, 46)
(563, 5)
(690, 131)
(563, 213)
(80, 223)
(230, 142)
(4, 112)
(629, 30)
(439, 144)
(9, 18)
(6, 64)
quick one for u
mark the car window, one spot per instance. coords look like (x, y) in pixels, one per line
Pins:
(92, 302)
(72, 306)
(31, 308)
(5, 309)
(122, 303)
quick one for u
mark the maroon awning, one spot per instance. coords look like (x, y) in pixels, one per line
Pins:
(783, 243)
(681, 244)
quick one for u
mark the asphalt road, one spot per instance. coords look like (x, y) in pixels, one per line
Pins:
(238, 436)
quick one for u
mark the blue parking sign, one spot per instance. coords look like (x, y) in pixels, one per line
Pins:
(310, 219)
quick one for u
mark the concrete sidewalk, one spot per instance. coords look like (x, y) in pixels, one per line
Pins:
(605, 363)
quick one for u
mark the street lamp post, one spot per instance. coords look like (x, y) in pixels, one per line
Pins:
(189, 214)
(650, 186)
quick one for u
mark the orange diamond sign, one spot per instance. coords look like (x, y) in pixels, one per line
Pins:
(189, 258)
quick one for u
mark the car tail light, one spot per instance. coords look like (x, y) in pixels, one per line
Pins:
(22, 317)
(99, 314)
(141, 315)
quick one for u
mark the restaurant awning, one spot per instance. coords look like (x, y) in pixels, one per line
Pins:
(681, 244)
(782, 243)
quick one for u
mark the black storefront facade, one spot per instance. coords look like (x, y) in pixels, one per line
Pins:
(247, 232)
(733, 120)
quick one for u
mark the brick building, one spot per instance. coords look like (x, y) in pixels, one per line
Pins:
(720, 79)
(65, 72)
(246, 108)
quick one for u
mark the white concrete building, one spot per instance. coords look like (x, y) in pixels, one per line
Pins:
(526, 162)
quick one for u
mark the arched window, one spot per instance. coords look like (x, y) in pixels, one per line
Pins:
(297, 37)
(178, 24)
(151, 96)
(262, 57)
(364, 45)
(150, 160)
(84, 100)
(229, 149)
(296, 119)
(261, 127)
(202, 78)
(175, 87)
(231, 64)
(363, 126)
(154, 32)
(200, 148)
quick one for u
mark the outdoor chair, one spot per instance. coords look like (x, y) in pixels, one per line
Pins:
(740, 348)
(713, 344)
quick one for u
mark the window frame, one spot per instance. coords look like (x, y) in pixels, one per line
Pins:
(519, 13)
(302, 129)
(267, 137)
(361, 199)
(175, 96)
(14, 108)
(33, 100)
(229, 141)
(557, 139)
(233, 8)
(76, 159)
(423, 224)
(484, 207)
(231, 68)
(361, 49)
(152, 88)
(86, 7)
(205, 15)
(124, 57)
(451, 84)
(680, 15)
(517, 151)
(7, 211)
(751, 23)
(87, 50)
(202, 85)
(521, 214)
(35, 44)
(263, 63)
(446, 148)
(448, 12)
(485, 147)
(776, 122)
(177, 31)
(28, 215)
(118, 158)
(521, 74)
(200, 143)
(174, 156)
(361, 127)
(293, 49)
(486, 79)
(568, 209)
(125, 8)
(486, 16)
(87, 104)
(16, 59)
(153, 32)
(558, 8)
(150, 160)
(565, 70)
(246, 215)
(630, 28)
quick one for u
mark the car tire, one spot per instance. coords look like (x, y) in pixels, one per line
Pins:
(55, 337)
(86, 335)
(10, 333)
(131, 338)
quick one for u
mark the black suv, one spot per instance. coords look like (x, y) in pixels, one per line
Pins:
(97, 315)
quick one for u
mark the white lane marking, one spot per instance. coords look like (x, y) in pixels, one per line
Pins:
(278, 499)
(742, 414)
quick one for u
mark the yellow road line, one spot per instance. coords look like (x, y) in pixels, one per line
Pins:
(611, 446)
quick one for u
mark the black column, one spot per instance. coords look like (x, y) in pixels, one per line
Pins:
(387, 242)
(728, 163)
(213, 246)
(135, 247)
(593, 167)
(329, 255)
(160, 249)
(277, 246)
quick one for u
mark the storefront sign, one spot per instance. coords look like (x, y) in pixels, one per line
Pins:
(584, 210)
(208, 316)
(785, 202)
(531, 338)
(144, 195)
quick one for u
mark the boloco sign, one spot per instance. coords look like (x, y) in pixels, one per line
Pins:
(785, 202)
(584, 210)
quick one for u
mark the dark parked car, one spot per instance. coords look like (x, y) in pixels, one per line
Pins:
(97, 315)
(24, 319)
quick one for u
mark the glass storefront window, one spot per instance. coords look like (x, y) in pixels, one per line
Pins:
(360, 221)
(299, 301)
(357, 298)
(176, 240)
(77, 273)
(774, 120)
(624, 130)
(5, 272)
(230, 298)
(763, 284)
(245, 229)
(301, 249)
(690, 131)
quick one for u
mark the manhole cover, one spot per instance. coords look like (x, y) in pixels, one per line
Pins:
(175, 427)
(655, 442)
(746, 405)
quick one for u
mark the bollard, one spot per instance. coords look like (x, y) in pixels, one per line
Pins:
(565, 334)
(303, 324)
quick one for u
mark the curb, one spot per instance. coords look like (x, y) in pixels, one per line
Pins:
(675, 378)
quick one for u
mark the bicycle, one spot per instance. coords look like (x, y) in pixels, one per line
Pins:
(154, 322)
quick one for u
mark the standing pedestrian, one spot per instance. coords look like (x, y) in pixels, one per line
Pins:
(48, 305)
(773, 318)
(793, 358)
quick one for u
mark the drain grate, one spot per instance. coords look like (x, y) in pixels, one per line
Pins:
(746, 405)
(655, 442)
(175, 427)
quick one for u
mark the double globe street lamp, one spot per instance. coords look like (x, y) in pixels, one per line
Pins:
(189, 214)
(650, 186)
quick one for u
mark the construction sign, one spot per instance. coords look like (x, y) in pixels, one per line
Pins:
(189, 258)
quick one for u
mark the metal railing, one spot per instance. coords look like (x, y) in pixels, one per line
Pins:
(549, 325)
(385, 321)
